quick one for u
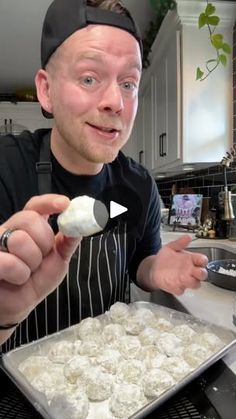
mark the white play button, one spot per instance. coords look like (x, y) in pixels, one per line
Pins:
(116, 209)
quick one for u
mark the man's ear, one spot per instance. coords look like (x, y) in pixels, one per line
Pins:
(43, 90)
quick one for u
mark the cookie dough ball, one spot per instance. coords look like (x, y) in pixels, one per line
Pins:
(149, 352)
(156, 382)
(184, 332)
(146, 315)
(98, 384)
(49, 380)
(131, 372)
(119, 312)
(176, 366)
(129, 347)
(77, 344)
(149, 336)
(163, 325)
(32, 366)
(156, 361)
(210, 341)
(126, 400)
(76, 367)
(91, 348)
(73, 406)
(89, 328)
(112, 332)
(195, 354)
(134, 325)
(109, 360)
(170, 344)
(83, 217)
(61, 351)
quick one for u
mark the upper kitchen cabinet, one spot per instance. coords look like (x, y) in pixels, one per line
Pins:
(187, 121)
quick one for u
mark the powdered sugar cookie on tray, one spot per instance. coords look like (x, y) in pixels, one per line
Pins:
(170, 344)
(149, 336)
(130, 372)
(184, 332)
(88, 328)
(134, 325)
(112, 332)
(176, 366)
(74, 405)
(126, 400)
(195, 354)
(119, 312)
(129, 347)
(156, 382)
(109, 360)
(163, 324)
(98, 384)
(76, 367)
(61, 351)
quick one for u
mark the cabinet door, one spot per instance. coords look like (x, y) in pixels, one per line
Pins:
(167, 148)
(148, 122)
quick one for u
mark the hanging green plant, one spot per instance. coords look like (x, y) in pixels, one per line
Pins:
(160, 8)
(209, 19)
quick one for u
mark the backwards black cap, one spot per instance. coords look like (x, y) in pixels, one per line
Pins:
(64, 17)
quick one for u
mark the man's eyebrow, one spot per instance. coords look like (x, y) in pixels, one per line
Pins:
(88, 55)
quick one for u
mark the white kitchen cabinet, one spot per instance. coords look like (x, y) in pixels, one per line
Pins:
(148, 122)
(166, 105)
(187, 122)
(27, 114)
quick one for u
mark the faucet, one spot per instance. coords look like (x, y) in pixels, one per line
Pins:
(225, 162)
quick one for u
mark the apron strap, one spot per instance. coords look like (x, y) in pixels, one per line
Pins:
(44, 166)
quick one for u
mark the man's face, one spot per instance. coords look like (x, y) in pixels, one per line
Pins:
(93, 87)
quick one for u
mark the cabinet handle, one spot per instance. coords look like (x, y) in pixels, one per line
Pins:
(164, 153)
(140, 157)
(160, 145)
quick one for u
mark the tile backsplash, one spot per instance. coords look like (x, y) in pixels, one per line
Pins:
(208, 182)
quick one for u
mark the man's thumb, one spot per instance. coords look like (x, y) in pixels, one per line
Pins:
(181, 243)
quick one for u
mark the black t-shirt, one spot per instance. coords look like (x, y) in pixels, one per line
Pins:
(101, 267)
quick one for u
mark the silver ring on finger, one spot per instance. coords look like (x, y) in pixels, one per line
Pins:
(4, 239)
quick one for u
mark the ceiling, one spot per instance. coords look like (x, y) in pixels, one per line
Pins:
(20, 32)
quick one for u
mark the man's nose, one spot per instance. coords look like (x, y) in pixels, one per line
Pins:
(112, 99)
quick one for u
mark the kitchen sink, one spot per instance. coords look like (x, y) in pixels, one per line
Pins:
(214, 253)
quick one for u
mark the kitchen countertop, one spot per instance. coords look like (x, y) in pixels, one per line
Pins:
(209, 302)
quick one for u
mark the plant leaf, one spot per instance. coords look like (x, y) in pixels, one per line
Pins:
(213, 20)
(226, 48)
(217, 41)
(202, 20)
(210, 9)
(199, 74)
(223, 59)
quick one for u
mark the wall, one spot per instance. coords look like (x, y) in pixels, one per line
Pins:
(208, 182)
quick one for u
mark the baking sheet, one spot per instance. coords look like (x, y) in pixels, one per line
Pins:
(12, 359)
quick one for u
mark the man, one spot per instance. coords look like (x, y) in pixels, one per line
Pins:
(91, 56)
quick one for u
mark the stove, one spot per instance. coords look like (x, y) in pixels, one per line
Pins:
(210, 396)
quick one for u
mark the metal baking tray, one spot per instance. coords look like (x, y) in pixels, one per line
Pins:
(12, 359)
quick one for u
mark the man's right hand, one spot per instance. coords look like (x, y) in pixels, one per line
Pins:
(37, 260)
